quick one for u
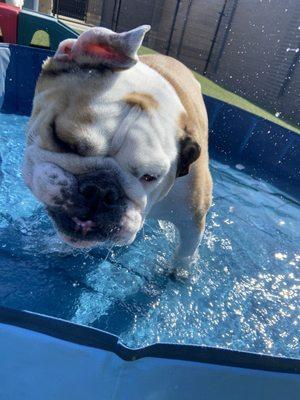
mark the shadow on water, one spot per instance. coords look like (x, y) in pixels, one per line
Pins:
(102, 288)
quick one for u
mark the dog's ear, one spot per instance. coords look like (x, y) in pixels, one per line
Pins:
(102, 47)
(63, 53)
(189, 152)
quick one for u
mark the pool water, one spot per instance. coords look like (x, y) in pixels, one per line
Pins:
(242, 294)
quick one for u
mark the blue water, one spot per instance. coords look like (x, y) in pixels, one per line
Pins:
(242, 294)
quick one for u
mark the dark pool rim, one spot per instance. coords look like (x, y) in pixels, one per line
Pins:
(98, 339)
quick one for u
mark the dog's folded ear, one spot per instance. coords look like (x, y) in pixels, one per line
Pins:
(102, 47)
(189, 152)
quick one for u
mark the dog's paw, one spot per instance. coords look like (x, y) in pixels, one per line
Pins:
(177, 275)
(182, 267)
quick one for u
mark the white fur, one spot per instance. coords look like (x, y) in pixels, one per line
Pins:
(119, 132)
(48, 179)
(129, 141)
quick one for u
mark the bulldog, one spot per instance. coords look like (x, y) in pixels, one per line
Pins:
(114, 138)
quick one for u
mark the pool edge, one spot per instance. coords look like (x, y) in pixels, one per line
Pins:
(96, 338)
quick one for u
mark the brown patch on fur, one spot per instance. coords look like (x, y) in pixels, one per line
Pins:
(53, 67)
(64, 98)
(187, 89)
(75, 135)
(143, 100)
(36, 111)
(85, 116)
(187, 126)
(193, 122)
(182, 120)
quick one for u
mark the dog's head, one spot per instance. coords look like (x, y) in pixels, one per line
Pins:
(105, 141)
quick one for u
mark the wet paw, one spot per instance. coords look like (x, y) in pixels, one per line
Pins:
(182, 267)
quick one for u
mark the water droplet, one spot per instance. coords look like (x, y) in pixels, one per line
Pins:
(280, 256)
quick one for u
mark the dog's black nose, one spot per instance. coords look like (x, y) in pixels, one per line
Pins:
(96, 196)
(101, 192)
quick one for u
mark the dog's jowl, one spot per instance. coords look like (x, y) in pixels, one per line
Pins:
(114, 138)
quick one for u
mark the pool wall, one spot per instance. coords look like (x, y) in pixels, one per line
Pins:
(46, 358)
(50, 358)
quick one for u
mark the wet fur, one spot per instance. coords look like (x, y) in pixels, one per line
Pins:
(146, 114)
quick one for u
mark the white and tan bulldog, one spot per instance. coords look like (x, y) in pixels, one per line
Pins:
(114, 138)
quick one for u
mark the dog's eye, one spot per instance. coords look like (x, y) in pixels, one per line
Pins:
(148, 178)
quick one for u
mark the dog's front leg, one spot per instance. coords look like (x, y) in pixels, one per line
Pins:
(190, 236)
(190, 228)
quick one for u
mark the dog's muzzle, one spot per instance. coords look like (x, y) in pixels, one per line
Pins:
(93, 210)
(102, 207)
